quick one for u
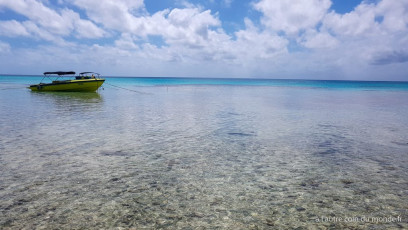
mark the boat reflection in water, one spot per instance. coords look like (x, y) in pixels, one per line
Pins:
(68, 101)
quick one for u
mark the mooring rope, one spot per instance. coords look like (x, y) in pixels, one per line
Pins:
(127, 89)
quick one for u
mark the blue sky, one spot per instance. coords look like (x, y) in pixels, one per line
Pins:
(311, 39)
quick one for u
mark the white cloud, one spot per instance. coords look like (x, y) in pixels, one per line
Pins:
(119, 15)
(126, 41)
(394, 13)
(86, 29)
(40, 32)
(298, 38)
(42, 15)
(12, 28)
(360, 22)
(252, 43)
(188, 4)
(50, 21)
(189, 26)
(83, 28)
(375, 33)
(370, 19)
(292, 16)
(314, 40)
(227, 3)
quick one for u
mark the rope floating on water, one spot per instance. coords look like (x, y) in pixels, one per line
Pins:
(126, 89)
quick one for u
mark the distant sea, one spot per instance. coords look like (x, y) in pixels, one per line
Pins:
(174, 81)
(193, 153)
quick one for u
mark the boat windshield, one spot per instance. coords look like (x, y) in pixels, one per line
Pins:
(87, 75)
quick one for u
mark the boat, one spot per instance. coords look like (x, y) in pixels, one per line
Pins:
(84, 82)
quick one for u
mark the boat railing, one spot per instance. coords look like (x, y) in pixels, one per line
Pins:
(54, 76)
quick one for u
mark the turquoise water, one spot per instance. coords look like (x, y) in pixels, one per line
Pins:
(150, 81)
(205, 154)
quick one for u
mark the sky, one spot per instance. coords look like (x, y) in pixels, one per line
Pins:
(281, 39)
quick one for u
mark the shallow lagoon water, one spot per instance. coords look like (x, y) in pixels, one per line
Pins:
(180, 156)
